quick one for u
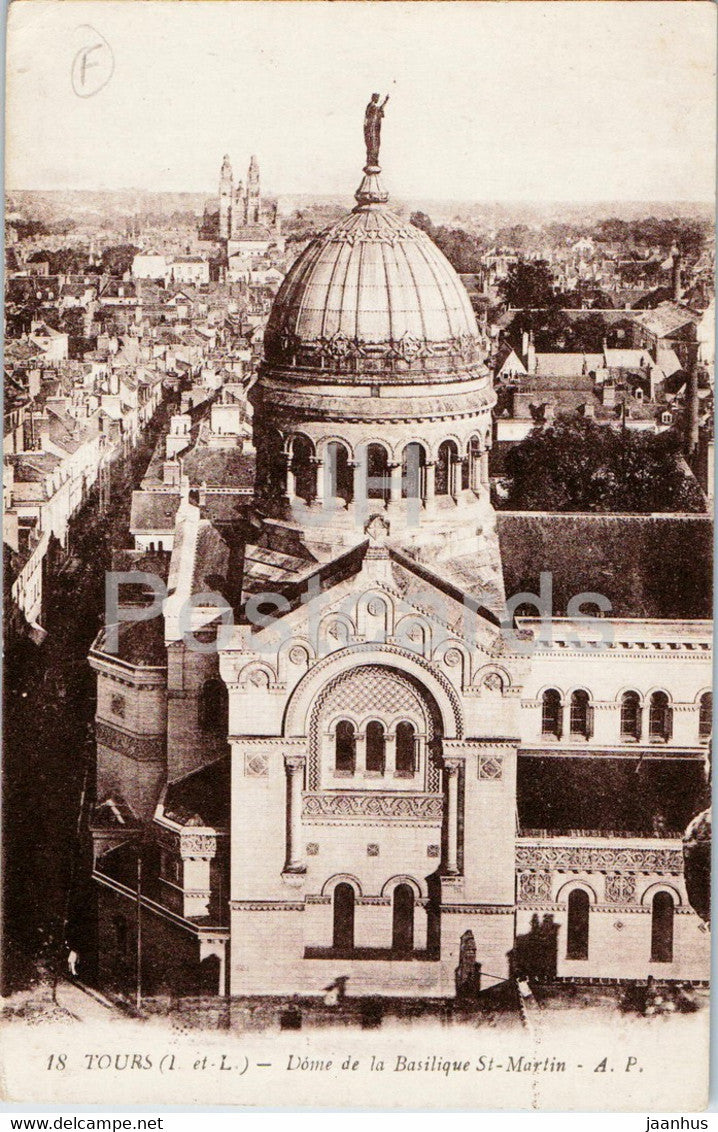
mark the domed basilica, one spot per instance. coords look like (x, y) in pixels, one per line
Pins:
(375, 778)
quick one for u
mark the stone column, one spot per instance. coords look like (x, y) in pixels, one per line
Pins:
(294, 765)
(360, 757)
(395, 471)
(430, 481)
(451, 769)
(485, 467)
(359, 486)
(291, 488)
(390, 754)
(319, 485)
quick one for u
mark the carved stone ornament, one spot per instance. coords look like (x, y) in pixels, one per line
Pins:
(493, 682)
(298, 655)
(491, 767)
(452, 658)
(620, 889)
(256, 765)
(534, 886)
(373, 805)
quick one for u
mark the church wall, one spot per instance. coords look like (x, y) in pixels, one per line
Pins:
(490, 825)
(683, 675)
(258, 819)
(130, 726)
(188, 745)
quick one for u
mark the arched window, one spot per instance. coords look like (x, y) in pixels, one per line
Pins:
(474, 464)
(662, 911)
(402, 934)
(446, 468)
(551, 713)
(405, 749)
(580, 718)
(375, 747)
(413, 472)
(577, 929)
(377, 471)
(304, 469)
(214, 707)
(705, 717)
(630, 715)
(339, 477)
(659, 717)
(345, 747)
(343, 939)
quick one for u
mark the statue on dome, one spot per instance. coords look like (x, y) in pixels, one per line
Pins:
(372, 129)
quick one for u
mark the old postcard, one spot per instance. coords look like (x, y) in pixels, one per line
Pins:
(358, 488)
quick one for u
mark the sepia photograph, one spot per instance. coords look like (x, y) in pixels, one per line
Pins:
(358, 532)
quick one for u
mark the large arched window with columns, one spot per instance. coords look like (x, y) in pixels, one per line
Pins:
(413, 472)
(377, 472)
(303, 468)
(447, 468)
(338, 473)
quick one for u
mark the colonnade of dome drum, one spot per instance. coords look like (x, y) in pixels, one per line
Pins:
(297, 468)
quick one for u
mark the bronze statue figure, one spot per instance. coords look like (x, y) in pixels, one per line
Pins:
(372, 129)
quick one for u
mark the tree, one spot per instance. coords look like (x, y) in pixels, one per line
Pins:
(579, 465)
(118, 259)
(529, 283)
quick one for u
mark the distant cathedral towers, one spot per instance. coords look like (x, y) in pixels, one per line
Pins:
(225, 199)
(241, 207)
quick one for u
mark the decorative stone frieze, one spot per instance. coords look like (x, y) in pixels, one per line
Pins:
(360, 806)
(588, 858)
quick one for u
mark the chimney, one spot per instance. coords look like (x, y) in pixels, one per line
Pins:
(609, 394)
(525, 345)
(676, 275)
(171, 473)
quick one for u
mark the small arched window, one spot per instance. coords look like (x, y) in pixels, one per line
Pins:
(343, 935)
(214, 707)
(580, 714)
(630, 715)
(577, 928)
(345, 747)
(551, 713)
(402, 935)
(705, 717)
(405, 749)
(659, 717)
(662, 911)
(375, 748)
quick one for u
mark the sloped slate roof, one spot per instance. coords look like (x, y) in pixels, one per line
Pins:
(649, 566)
(204, 794)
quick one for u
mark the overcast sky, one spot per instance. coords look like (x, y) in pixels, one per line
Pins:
(489, 101)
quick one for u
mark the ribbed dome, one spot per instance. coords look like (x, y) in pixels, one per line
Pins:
(373, 291)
